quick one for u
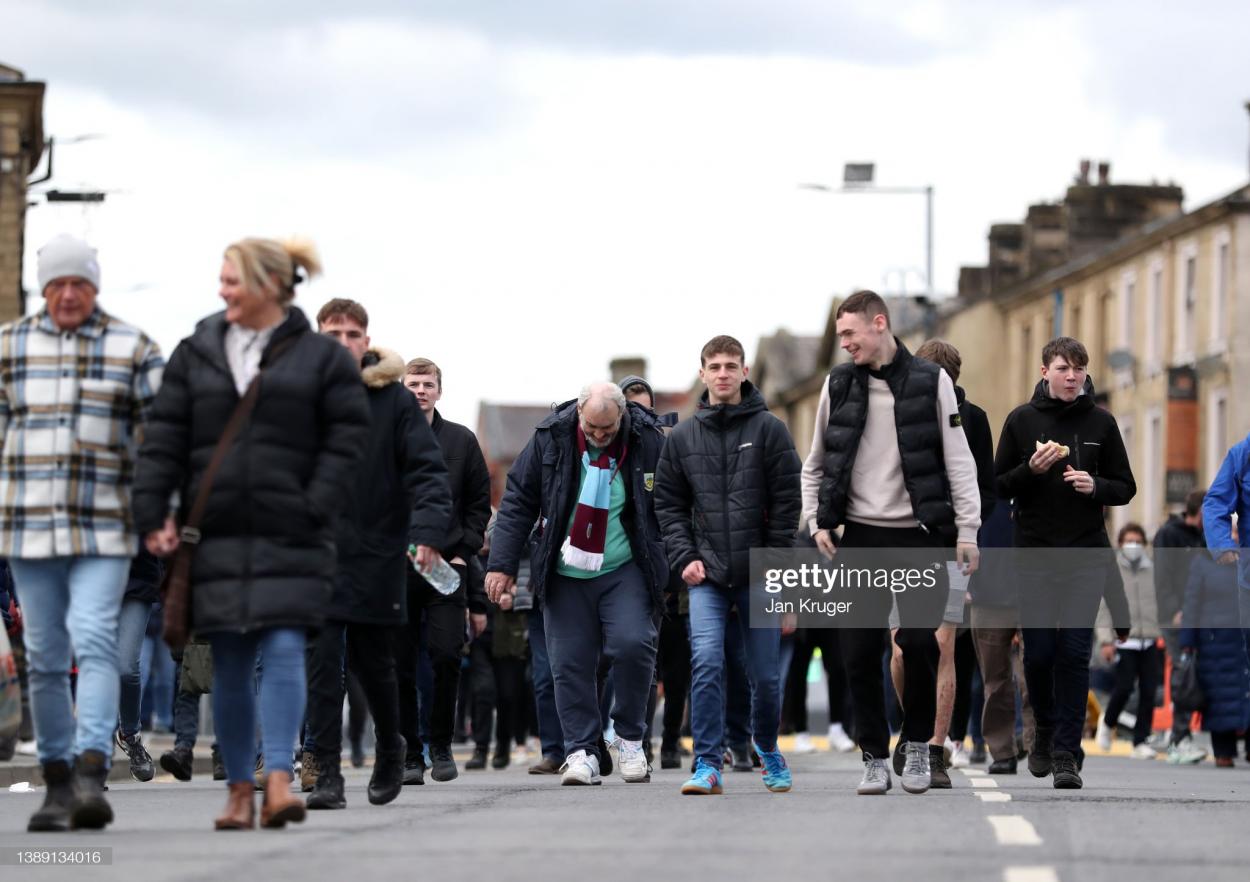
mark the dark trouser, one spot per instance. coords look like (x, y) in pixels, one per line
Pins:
(674, 670)
(1138, 667)
(549, 731)
(1224, 744)
(993, 630)
(357, 706)
(444, 623)
(965, 664)
(482, 690)
(368, 653)
(1056, 659)
(186, 710)
(510, 711)
(1180, 717)
(610, 613)
(862, 648)
(807, 641)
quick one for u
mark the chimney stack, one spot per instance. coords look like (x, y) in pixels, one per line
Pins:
(1104, 173)
(1083, 176)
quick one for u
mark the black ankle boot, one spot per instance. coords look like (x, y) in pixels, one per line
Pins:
(53, 815)
(388, 772)
(327, 792)
(90, 810)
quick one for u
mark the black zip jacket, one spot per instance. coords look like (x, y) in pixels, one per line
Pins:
(543, 483)
(1049, 512)
(1174, 551)
(470, 489)
(728, 481)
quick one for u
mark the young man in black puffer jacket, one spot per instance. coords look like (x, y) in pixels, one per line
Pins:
(1062, 460)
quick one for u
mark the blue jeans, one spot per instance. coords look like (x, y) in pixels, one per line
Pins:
(156, 671)
(132, 624)
(283, 690)
(549, 730)
(71, 607)
(709, 612)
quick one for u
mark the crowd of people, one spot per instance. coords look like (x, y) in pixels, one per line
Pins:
(288, 503)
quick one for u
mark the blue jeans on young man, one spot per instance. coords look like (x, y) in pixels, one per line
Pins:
(549, 731)
(156, 673)
(283, 691)
(737, 682)
(709, 613)
(132, 625)
(71, 607)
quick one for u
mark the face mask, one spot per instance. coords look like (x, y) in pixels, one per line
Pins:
(1132, 551)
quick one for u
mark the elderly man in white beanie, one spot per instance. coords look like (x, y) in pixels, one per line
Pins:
(75, 388)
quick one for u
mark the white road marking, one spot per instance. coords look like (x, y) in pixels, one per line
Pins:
(983, 782)
(974, 773)
(1030, 874)
(993, 796)
(1013, 830)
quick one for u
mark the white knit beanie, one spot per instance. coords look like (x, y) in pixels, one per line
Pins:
(67, 255)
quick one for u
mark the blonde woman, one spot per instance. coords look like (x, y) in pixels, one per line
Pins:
(262, 569)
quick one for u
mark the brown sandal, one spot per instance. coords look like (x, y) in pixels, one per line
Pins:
(240, 813)
(280, 807)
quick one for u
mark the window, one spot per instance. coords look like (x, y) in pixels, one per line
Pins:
(1076, 320)
(1026, 344)
(1154, 320)
(1152, 476)
(1186, 301)
(1128, 290)
(1219, 294)
(1217, 432)
(1120, 513)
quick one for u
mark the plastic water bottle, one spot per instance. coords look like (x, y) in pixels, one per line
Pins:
(442, 576)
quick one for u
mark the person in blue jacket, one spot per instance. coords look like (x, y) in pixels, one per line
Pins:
(1208, 628)
(1229, 495)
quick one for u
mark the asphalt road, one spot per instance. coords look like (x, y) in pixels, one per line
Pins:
(1135, 820)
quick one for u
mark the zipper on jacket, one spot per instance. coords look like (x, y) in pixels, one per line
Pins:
(724, 491)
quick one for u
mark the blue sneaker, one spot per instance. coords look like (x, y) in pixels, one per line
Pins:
(705, 780)
(776, 772)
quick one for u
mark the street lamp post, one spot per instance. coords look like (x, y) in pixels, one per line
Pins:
(857, 177)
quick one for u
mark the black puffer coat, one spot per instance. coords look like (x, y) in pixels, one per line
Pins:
(728, 481)
(469, 479)
(399, 498)
(267, 556)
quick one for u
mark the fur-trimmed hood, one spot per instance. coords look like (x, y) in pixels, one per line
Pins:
(381, 367)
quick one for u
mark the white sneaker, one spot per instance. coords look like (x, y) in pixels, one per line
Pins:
(1143, 751)
(839, 740)
(959, 756)
(26, 748)
(1185, 753)
(1105, 736)
(632, 762)
(581, 768)
(803, 743)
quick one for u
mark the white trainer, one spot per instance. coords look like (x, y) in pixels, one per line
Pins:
(959, 755)
(632, 762)
(1105, 736)
(803, 743)
(1143, 751)
(580, 768)
(839, 740)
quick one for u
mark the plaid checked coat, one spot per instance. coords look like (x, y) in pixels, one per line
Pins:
(71, 406)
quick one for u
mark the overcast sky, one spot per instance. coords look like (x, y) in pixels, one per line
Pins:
(522, 190)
